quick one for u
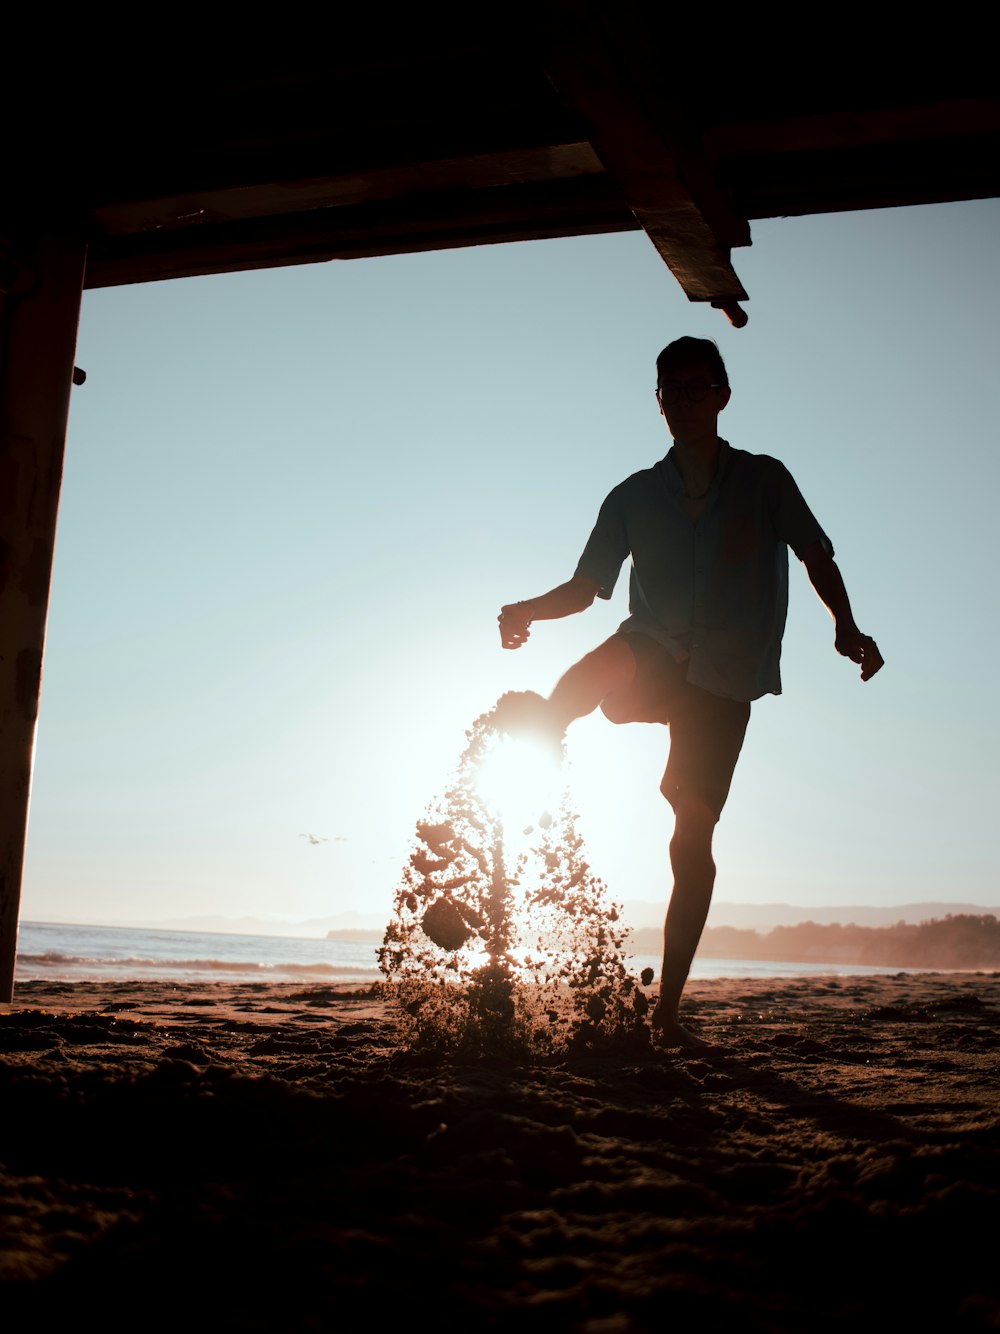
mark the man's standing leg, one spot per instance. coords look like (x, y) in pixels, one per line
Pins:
(706, 736)
(694, 878)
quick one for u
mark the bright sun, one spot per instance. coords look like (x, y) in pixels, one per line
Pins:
(518, 779)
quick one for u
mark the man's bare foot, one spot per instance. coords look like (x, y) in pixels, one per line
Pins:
(668, 1031)
(526, 714)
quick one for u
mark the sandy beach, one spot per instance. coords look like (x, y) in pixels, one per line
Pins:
(276, 1157)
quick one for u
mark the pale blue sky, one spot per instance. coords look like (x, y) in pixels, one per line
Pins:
(294, 501)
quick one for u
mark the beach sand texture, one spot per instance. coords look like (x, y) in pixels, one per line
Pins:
(274, 1157)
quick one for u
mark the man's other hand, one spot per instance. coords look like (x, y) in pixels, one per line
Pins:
(514, 625)
(862, 649)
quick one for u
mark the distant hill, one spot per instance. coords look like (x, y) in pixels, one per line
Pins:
(766, 916)
(304, 928)
(956, 941)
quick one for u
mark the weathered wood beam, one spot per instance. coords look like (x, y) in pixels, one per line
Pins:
(576, 206)
(258, 199)
(873, 176)
(41, 279)
(861, 126)
(598, 60)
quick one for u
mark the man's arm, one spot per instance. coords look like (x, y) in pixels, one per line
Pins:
(577, 594)
(825, 577)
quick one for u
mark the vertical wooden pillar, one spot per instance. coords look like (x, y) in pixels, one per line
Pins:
(41, 283)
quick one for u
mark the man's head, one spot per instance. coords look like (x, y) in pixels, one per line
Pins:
(684, 353)
(692, 388)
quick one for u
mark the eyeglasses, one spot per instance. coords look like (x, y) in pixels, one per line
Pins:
(694, 390)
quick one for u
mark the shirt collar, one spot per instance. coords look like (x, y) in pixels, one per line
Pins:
(675, 483)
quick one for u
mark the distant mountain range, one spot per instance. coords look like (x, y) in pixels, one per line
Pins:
(766, 916)
(637, 913)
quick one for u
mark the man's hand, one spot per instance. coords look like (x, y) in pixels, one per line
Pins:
(828, 583)
(574, 595)
(860, 648)
(514, 622)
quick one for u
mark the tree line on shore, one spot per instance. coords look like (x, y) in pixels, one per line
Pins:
(959, 941)
(952, 942)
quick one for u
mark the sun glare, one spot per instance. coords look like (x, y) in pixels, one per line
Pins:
(518, 780)
(501, 934)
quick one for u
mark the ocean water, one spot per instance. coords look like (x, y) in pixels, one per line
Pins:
(73, 953)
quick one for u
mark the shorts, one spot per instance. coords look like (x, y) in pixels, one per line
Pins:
(706, 730)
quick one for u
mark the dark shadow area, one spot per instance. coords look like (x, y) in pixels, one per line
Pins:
(274, 1172)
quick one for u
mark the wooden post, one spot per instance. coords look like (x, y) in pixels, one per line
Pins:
(41, 284)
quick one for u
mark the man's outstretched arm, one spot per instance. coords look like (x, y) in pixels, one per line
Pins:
(577, 594)
(825, 577)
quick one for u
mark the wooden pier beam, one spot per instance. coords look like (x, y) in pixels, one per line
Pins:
(41, 283)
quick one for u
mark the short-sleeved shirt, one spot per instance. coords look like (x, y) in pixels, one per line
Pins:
(715, 588)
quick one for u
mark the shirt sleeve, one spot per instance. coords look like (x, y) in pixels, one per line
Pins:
(607, 548)
(795, 522)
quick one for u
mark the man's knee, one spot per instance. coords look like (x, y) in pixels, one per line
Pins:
(612, 668)
(613, 661)
(694, 824)
(606, 668)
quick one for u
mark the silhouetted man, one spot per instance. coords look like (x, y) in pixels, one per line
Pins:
(707, 530)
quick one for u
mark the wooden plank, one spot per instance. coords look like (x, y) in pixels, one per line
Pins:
(579, 206)
(366, 185)
(43, 273)
(875, 176)
(599, 64)
(855, 127)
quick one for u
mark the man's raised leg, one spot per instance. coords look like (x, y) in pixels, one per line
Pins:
(694, 878)
(609, 667)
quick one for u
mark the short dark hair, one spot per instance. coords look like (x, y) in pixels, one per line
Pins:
(683, 353)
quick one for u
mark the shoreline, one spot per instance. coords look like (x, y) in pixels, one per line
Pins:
(87, 953)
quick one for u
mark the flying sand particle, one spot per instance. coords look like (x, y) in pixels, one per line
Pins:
(505, 940)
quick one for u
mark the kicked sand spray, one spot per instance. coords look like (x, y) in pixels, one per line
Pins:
(502, 940)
